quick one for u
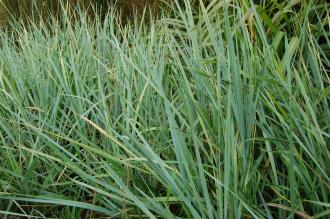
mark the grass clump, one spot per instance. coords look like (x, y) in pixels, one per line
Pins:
(205, 114)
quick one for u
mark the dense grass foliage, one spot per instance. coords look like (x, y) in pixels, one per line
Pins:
(36, 10)
(220, 111)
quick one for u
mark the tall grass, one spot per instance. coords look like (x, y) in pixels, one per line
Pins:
(44, 9)
(203, 115)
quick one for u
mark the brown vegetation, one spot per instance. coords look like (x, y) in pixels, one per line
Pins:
(24, 9)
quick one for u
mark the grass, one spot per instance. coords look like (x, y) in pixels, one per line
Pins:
(217, 111)
(44, 9)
